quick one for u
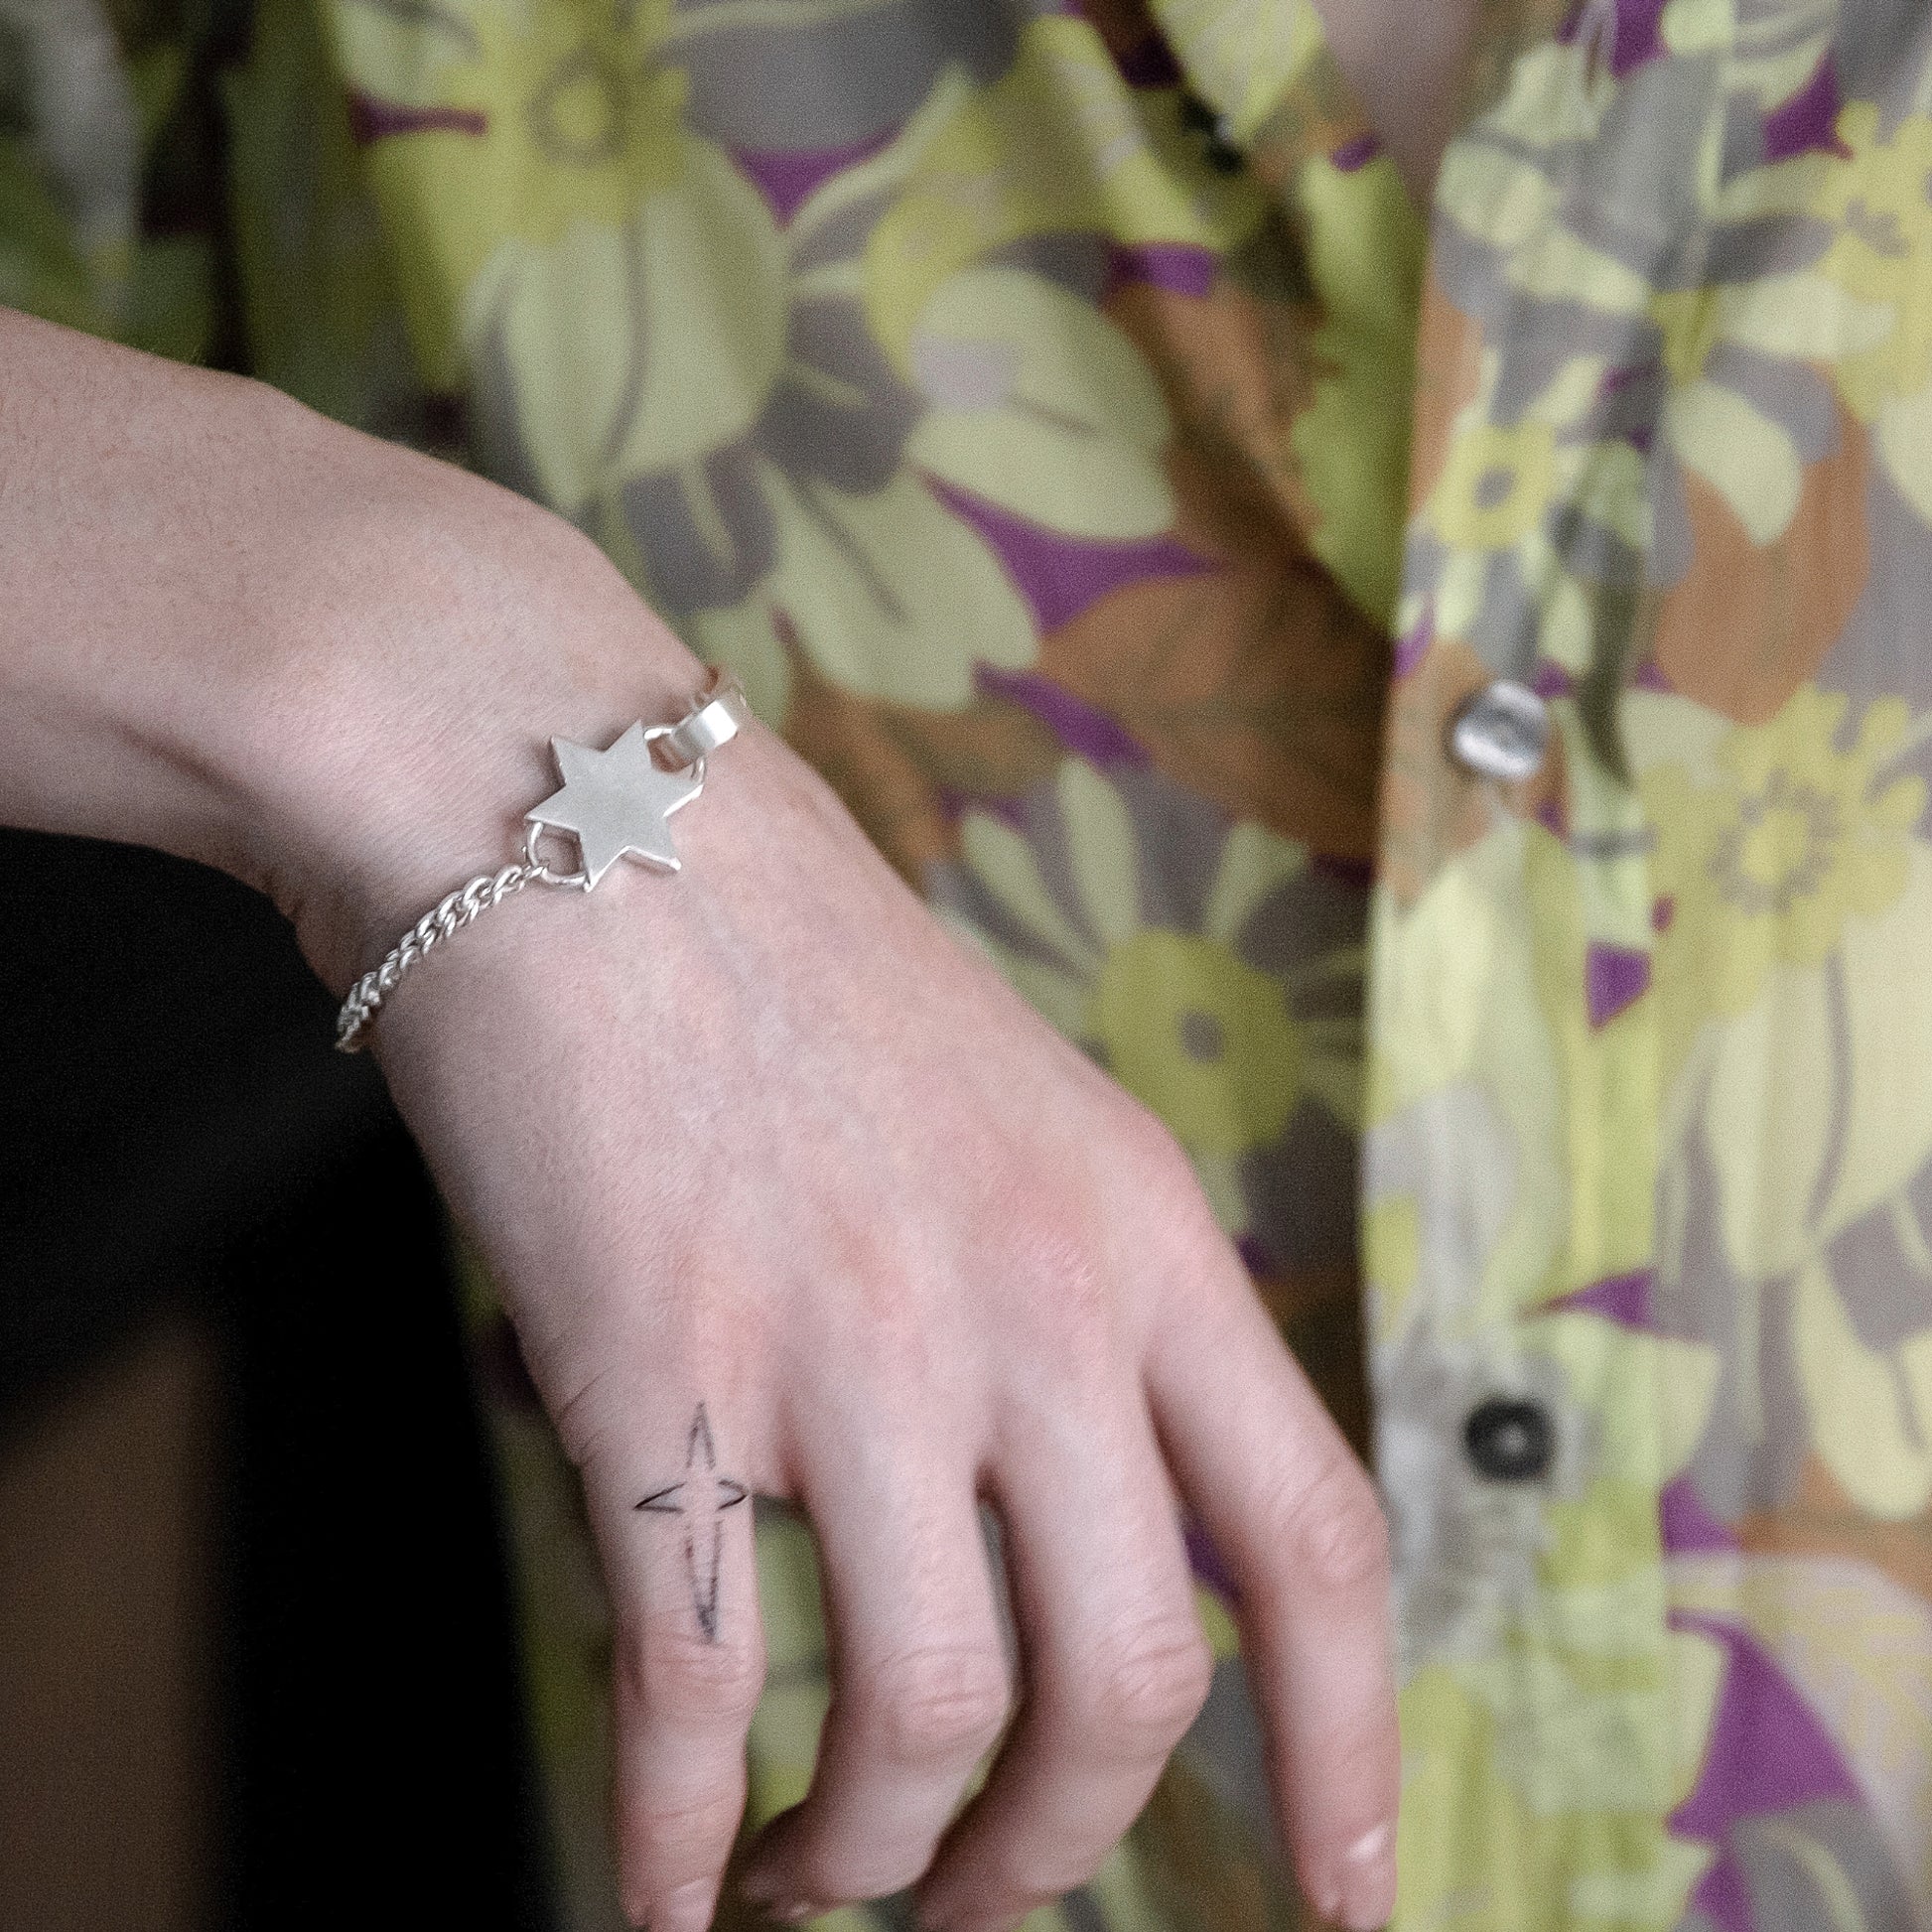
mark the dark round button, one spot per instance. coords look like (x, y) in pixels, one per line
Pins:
(1509, 1440)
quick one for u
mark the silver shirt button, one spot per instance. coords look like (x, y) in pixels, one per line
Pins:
(1503, 732)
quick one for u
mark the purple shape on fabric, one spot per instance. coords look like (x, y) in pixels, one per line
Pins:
(1359, 872)
(1549, 815)
(1149, 63)
(1685, 1526)
(1650, 677)
(1179, 267)
(1551, 681)
(1622, 1299)
(1412, 645)
(1807, 123)
(1206, 1561)
(1613, 976)
(1253, 1257)
(1062, 575)
(1009, 808)
(1720, 1895)
(1767, 1751)
(1097, 738)
(1640, 34)
(1662, 911)
(1357, 153)
(1636, 30)
(786, 178)
(371, 119)
(1616, 381)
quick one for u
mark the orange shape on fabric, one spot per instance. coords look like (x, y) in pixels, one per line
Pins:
(1821, 1520)
(1751, 623)
(1259, 683)
(893, 766)
(1449, 373)
(1236, 368)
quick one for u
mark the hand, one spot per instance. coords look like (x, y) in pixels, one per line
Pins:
(788, 1194)
(771, 1170)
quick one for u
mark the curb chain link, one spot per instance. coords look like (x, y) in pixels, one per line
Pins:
(455, 911)
(713, 721)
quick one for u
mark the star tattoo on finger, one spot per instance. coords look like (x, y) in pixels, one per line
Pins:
(701, 1498)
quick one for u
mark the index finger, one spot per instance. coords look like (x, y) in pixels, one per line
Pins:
(673, 1515)
(1297, 1521)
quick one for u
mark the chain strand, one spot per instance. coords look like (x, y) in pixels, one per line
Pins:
(716, 716)
(444, 921)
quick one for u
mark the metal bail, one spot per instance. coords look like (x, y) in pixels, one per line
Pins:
(1502, 731)
(713, 724)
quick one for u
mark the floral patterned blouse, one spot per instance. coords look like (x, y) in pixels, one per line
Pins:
(1441, 710)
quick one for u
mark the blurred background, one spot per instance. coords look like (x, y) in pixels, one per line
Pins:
(255, 1656)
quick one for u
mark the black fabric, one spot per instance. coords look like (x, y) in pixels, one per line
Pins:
(176, 1129)
(165, 1084)
(379, 1771)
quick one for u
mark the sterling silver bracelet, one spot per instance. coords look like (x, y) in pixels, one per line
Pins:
(616, 803)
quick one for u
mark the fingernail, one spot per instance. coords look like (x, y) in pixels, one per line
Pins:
(1368, 1881)
(688, 1909)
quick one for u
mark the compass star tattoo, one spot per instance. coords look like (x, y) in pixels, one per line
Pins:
(700, 1499)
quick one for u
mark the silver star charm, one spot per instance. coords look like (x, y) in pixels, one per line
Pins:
(616, 803)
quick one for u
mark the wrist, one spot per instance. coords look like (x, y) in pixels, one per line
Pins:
(428, 639)
(237, 632)
(241, 633)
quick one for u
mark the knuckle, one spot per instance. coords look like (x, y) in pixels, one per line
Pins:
(1141, 1692)
(1333, 1528)
(943, 1703)
(1057, 1248)
(672, 1672)
(1169, 1198)
(1163, 1174)
(874, 1871)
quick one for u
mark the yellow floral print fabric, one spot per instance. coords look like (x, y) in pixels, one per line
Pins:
(1063, 421)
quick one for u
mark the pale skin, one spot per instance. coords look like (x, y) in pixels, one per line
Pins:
(761, 1139)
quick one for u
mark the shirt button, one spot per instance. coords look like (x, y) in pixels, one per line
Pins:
(1509, 1440)
(1502, 731)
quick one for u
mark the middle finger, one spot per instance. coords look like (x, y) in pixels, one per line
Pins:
(1117, 1665)
(919, 1677)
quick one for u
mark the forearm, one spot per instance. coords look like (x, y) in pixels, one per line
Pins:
(235, 630)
